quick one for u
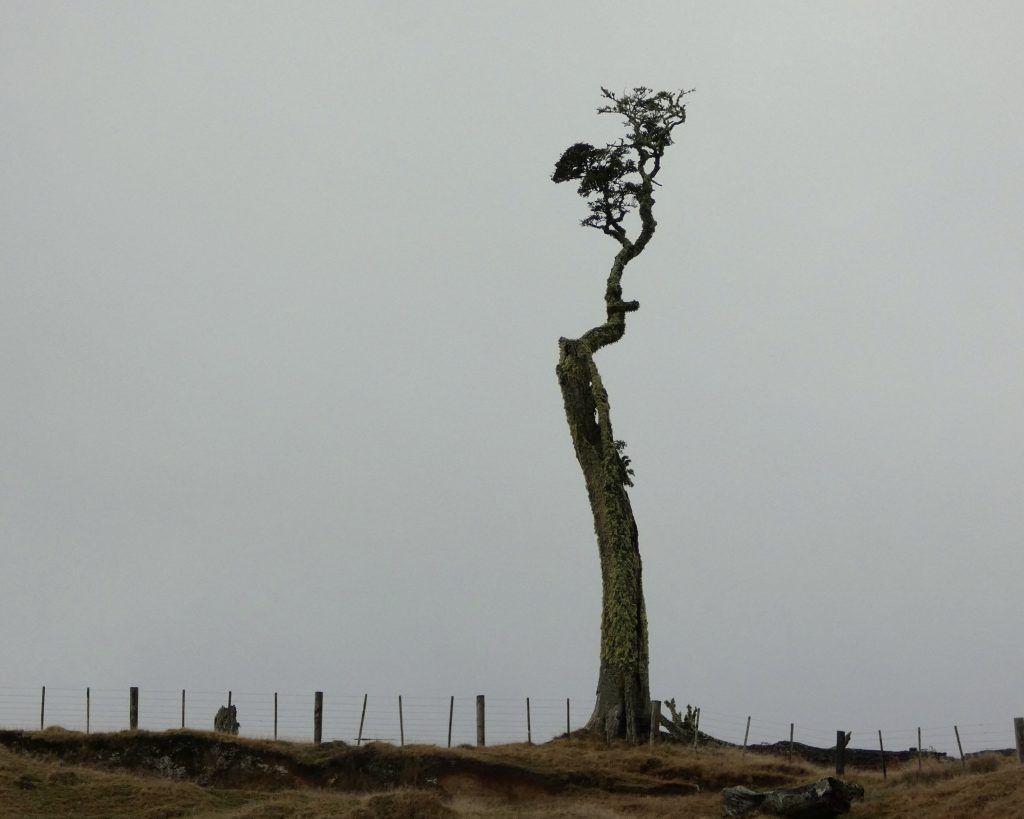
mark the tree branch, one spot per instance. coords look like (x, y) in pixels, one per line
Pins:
(609, 182)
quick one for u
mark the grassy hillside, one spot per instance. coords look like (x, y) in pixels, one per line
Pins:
(179, 773)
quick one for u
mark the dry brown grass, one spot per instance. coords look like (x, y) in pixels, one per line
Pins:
(566, 778)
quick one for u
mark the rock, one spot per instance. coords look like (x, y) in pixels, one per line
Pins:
(226, 721)
(820, 800)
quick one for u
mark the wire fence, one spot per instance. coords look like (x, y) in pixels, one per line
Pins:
(290, 716)
(973, 737)
(354, 718)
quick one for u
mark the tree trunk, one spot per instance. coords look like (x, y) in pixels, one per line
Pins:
(623, 691)
(614, 180)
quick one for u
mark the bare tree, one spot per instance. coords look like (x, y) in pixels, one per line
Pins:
(614, 181)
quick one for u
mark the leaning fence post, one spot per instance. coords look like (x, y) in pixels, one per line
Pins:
(655, 720)
(881, 751)
(88, 709)
(362, 718)
(42, 709)
(746, 735)
(1018, 735)
(529, 731)
(956, 730)
(133, 708)
(318, 716)
(840, 753)
(401, 724)
(480, 738)
(451, 713)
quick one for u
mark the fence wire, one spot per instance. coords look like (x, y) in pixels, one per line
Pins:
(426, 720)
(289, 716)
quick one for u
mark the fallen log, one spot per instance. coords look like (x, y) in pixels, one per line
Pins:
(823, 799)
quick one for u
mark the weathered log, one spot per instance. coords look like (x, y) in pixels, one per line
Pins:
(820, 800)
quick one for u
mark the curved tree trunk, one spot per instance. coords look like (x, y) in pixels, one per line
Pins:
(608, 181)
(623, 690)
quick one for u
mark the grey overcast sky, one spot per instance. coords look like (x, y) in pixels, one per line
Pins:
(282, 285)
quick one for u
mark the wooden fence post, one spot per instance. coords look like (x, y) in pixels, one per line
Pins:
(568, 730)
(1018, 735)
(480, 738)
(746, 735)
(133, 708)
(881, 751)
(840, 753)
(790, 757)
(956, 730)
(451, 713)
(362, 718)
(655, 720)
(229, 699)
(275, 715)
(318, 717)
(88, 709)
(696, 726)
(529, 729)
(42, 709)
(401, 724)
(183, 708)
(919, 749)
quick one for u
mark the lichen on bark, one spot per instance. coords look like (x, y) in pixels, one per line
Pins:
(615, 180)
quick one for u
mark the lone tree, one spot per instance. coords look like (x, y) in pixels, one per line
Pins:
(614, 181)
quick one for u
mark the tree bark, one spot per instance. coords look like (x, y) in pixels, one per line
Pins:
(622, 709)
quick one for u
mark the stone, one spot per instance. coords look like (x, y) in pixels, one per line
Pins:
(226, 721)
(823, 799)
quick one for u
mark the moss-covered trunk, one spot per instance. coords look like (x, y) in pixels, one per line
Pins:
(623, 691)
(615, 180)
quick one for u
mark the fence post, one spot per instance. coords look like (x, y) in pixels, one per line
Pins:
(956, 730)
(480, 737)
(229, 699)
(919, 749)
(1018, 735)
(696, 727)
(42, 709)
(790, 742)
(451, 713)
(401, 724)
(362, 717)
(88, 709)
(655, 720)
(840, 753)
(318, 716)
(881, 751)
(275, 715)
(746, 735)
(567, 728)
(183, 708)
(529, 730)
(133, 708)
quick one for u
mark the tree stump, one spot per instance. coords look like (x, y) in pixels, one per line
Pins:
(226, 721)
(820, 800)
